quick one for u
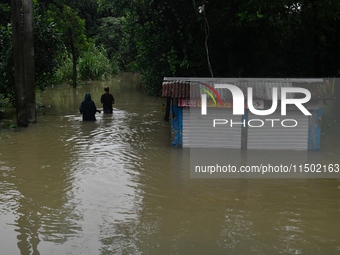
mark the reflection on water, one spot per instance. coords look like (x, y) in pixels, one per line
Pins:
(115, 186)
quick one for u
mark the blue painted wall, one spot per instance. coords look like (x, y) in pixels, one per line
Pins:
(176, 125)
(314, 130)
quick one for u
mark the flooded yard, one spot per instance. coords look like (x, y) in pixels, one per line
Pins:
(116, 186)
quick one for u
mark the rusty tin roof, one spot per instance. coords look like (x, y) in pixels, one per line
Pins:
(262, 87)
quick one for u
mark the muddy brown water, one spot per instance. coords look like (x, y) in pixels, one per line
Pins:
(116, 186)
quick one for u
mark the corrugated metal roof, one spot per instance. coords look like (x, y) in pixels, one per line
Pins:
(262, 87)
(176, 89)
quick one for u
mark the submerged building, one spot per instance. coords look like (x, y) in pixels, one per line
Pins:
(203, 112)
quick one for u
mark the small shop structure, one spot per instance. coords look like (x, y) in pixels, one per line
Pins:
(220, 127)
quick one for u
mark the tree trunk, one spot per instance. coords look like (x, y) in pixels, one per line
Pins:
(29, 60)
(18, 53)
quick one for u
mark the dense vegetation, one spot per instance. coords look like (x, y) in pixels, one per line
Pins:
(92, 39)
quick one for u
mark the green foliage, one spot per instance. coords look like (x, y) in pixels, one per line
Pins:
(64, 72)
(5, 12)
(3, 104)
(71, 27)
(94, 64)
(247, 38)
(166, 40)
(258, 38)
(273, 38)
(87, 10)
(6, 56)
(118, 40)
(109, 35)
(48, 48)
(6, 60)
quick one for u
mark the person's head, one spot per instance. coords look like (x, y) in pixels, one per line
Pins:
(106, 89)
(88, 96)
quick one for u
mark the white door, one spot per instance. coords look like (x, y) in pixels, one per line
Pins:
(199, 130)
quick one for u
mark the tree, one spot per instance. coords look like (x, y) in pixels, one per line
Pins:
(19, 81)
(72, 28)
(29, 63)
(23, 52)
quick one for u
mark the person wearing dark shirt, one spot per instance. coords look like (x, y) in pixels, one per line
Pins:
(107, 100)
(88, 108)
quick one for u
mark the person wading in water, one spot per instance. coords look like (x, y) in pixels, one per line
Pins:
(107, 100)
(88, 108)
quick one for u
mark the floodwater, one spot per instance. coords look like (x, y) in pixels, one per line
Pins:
(116, 186)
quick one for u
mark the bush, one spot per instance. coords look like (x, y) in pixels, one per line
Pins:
(64, 72)
(3, 104)
(95, 65)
